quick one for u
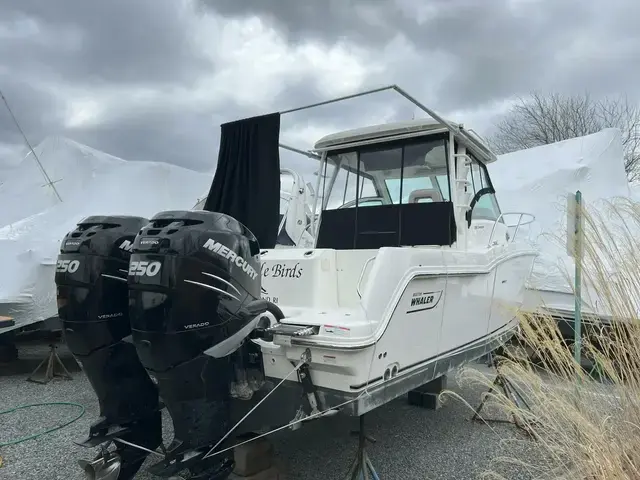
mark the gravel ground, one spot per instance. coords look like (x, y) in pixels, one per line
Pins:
(412, 443)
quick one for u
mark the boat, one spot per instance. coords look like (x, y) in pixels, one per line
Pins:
(426, 255)
(414, 271)
(540, 180)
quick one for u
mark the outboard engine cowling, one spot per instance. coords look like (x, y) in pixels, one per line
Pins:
(91, 278)
(194, 287)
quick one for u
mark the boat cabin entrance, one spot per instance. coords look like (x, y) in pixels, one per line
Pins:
(385, 191)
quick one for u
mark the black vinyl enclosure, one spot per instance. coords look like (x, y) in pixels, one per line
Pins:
(399, 195)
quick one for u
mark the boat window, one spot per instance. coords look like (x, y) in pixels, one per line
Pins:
(363, 202)
(424, 179)
(443, 184)
(415, 172)
(486, 206)
(425, 171)
(349, 180)
(394, 186)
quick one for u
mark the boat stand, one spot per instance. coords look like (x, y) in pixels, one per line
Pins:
(362, 468)
(511, 392)
(55, 368)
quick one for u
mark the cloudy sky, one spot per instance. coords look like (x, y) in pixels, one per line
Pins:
(154, 79)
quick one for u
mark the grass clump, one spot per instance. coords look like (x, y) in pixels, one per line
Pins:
(585, 417)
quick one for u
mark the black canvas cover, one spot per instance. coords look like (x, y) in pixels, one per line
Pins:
(246, 184)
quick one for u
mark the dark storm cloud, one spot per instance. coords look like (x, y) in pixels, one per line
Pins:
(40, 120)
(186, 138)
(346, 114)
(366, 21)
(497, 48)
(174, 135)
(114, 41)
(84, 44)
(499, 52)
(466, 54)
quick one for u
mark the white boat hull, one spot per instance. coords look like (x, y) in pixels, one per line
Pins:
(414, 315)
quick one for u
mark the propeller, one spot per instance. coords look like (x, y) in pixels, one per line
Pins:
(105, 467)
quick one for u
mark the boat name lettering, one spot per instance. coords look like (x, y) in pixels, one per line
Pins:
(421, 301)
(233, 257)
(265, 296)
(425, 300)
(280, 270)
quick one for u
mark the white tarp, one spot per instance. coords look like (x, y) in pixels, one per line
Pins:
(537, 181)
(70, 167)
(91, 183)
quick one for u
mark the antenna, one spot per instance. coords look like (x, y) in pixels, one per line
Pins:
(44, 173)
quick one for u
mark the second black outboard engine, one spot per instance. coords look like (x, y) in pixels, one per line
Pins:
(194, 287)
(91, 278)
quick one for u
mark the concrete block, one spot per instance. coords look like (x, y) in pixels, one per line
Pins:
(430, 401)
(428, 395)
(252, 458)
(435, 386)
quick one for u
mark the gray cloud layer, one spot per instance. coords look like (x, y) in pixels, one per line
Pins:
(498, 47)
(453, 54)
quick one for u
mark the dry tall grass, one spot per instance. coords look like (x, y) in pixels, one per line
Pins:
(586, 423)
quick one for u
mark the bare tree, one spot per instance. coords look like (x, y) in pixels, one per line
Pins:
(541, 119)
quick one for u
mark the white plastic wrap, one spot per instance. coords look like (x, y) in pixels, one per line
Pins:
(93, 183)
(70, 167)
(537, 181)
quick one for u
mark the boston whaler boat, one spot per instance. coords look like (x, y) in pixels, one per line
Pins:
(414, 272)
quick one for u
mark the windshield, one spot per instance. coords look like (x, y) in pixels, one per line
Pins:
(408, 171)
(438, 182)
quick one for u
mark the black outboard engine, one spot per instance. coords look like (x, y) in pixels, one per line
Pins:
(194, 287)
(91, 276)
